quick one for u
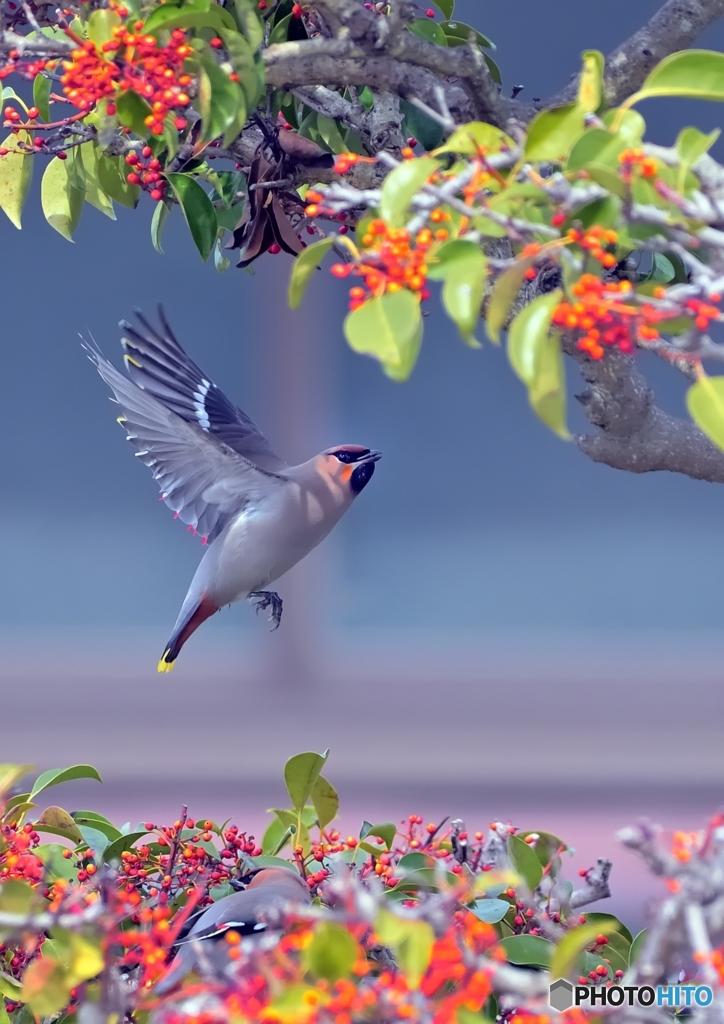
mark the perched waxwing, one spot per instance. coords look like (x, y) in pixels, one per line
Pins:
(249, 912)
(217, 471)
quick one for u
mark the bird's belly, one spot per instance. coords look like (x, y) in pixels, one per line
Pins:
(256, 549)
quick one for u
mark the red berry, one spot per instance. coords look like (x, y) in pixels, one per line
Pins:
(62, 155)
(4, 152)
(33, 112)
(430, 13)
(157, 194)
(297, 11)
(262, 5)
(274, 248)
(110, 109)
(216, 43)
(146, 152)
(179, 123)
(134, 179)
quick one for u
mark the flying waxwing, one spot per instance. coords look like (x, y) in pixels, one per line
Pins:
(248, 912)
(217, 471)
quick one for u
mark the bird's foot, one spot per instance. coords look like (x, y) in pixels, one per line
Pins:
(263, 599)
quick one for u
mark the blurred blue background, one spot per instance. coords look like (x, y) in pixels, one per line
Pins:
(499, 628)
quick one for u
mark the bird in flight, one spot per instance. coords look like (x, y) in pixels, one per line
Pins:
(257, 515)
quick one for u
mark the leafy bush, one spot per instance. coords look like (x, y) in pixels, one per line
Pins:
(418, 921)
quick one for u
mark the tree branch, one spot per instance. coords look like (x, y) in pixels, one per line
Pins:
(674, 27)
(633, 433)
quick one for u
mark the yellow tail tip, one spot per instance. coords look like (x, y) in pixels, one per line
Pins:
(163, 665)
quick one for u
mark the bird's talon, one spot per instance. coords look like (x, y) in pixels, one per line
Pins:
(264, 599)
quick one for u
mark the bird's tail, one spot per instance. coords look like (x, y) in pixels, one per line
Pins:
(188, 621)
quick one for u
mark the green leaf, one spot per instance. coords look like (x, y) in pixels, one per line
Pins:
(223, 99)
(300, 774)
(56, 865)
(535, 355)
(12, 773)
(596, 145)
(325, 800)
(197, 209)
(528, 950)
(469, 138)
(458, 34)
(388, 328)
(490, 910)
(610, 180)
(114, 850)
(387, 831)
(637, 945)
(250, 72)
(101, 24)
(16, 897)
(691, 145)
(97, 821)
(400, 371)
(429, 30)
(332, 953)
(446, 6)
(628, 124)
(157, 221)
(411, 942)
(41, 95)
(553, 133)
(464, 286)
(132, 111)
(46, 987)
(94, 194)
(573, 943)
(9, 986)
(250, 23)
(57, 775)
(95, 840)
(590, 85)
(696, 74)
(428, 132)
(16, 173)
(401, 185)
(57, 818)
(188, 15)
(304, 267)
(112, 179)
(276, 836)
(525, 861)
(504, 292)
(705, 402)
(331, 135)
(280, 31)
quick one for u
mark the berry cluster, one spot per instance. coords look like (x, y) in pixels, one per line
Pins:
(598, 242)
(392, 259)
(18, 860)
(634, 160)
(134, 61)
(146, 172)
(605, 318)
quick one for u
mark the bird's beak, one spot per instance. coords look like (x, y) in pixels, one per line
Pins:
(368, 457)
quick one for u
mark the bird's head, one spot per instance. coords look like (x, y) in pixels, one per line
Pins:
(351, 464)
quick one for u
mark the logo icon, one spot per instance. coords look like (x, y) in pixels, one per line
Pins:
(561, 994)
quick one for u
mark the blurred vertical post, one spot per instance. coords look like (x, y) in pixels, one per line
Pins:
(297, 385)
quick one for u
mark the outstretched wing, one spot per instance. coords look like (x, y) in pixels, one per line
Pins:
(201, 478)
(156, 362)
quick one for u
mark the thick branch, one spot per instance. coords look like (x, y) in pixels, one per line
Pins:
(674, 27)
(633, 433)
(289, 65)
